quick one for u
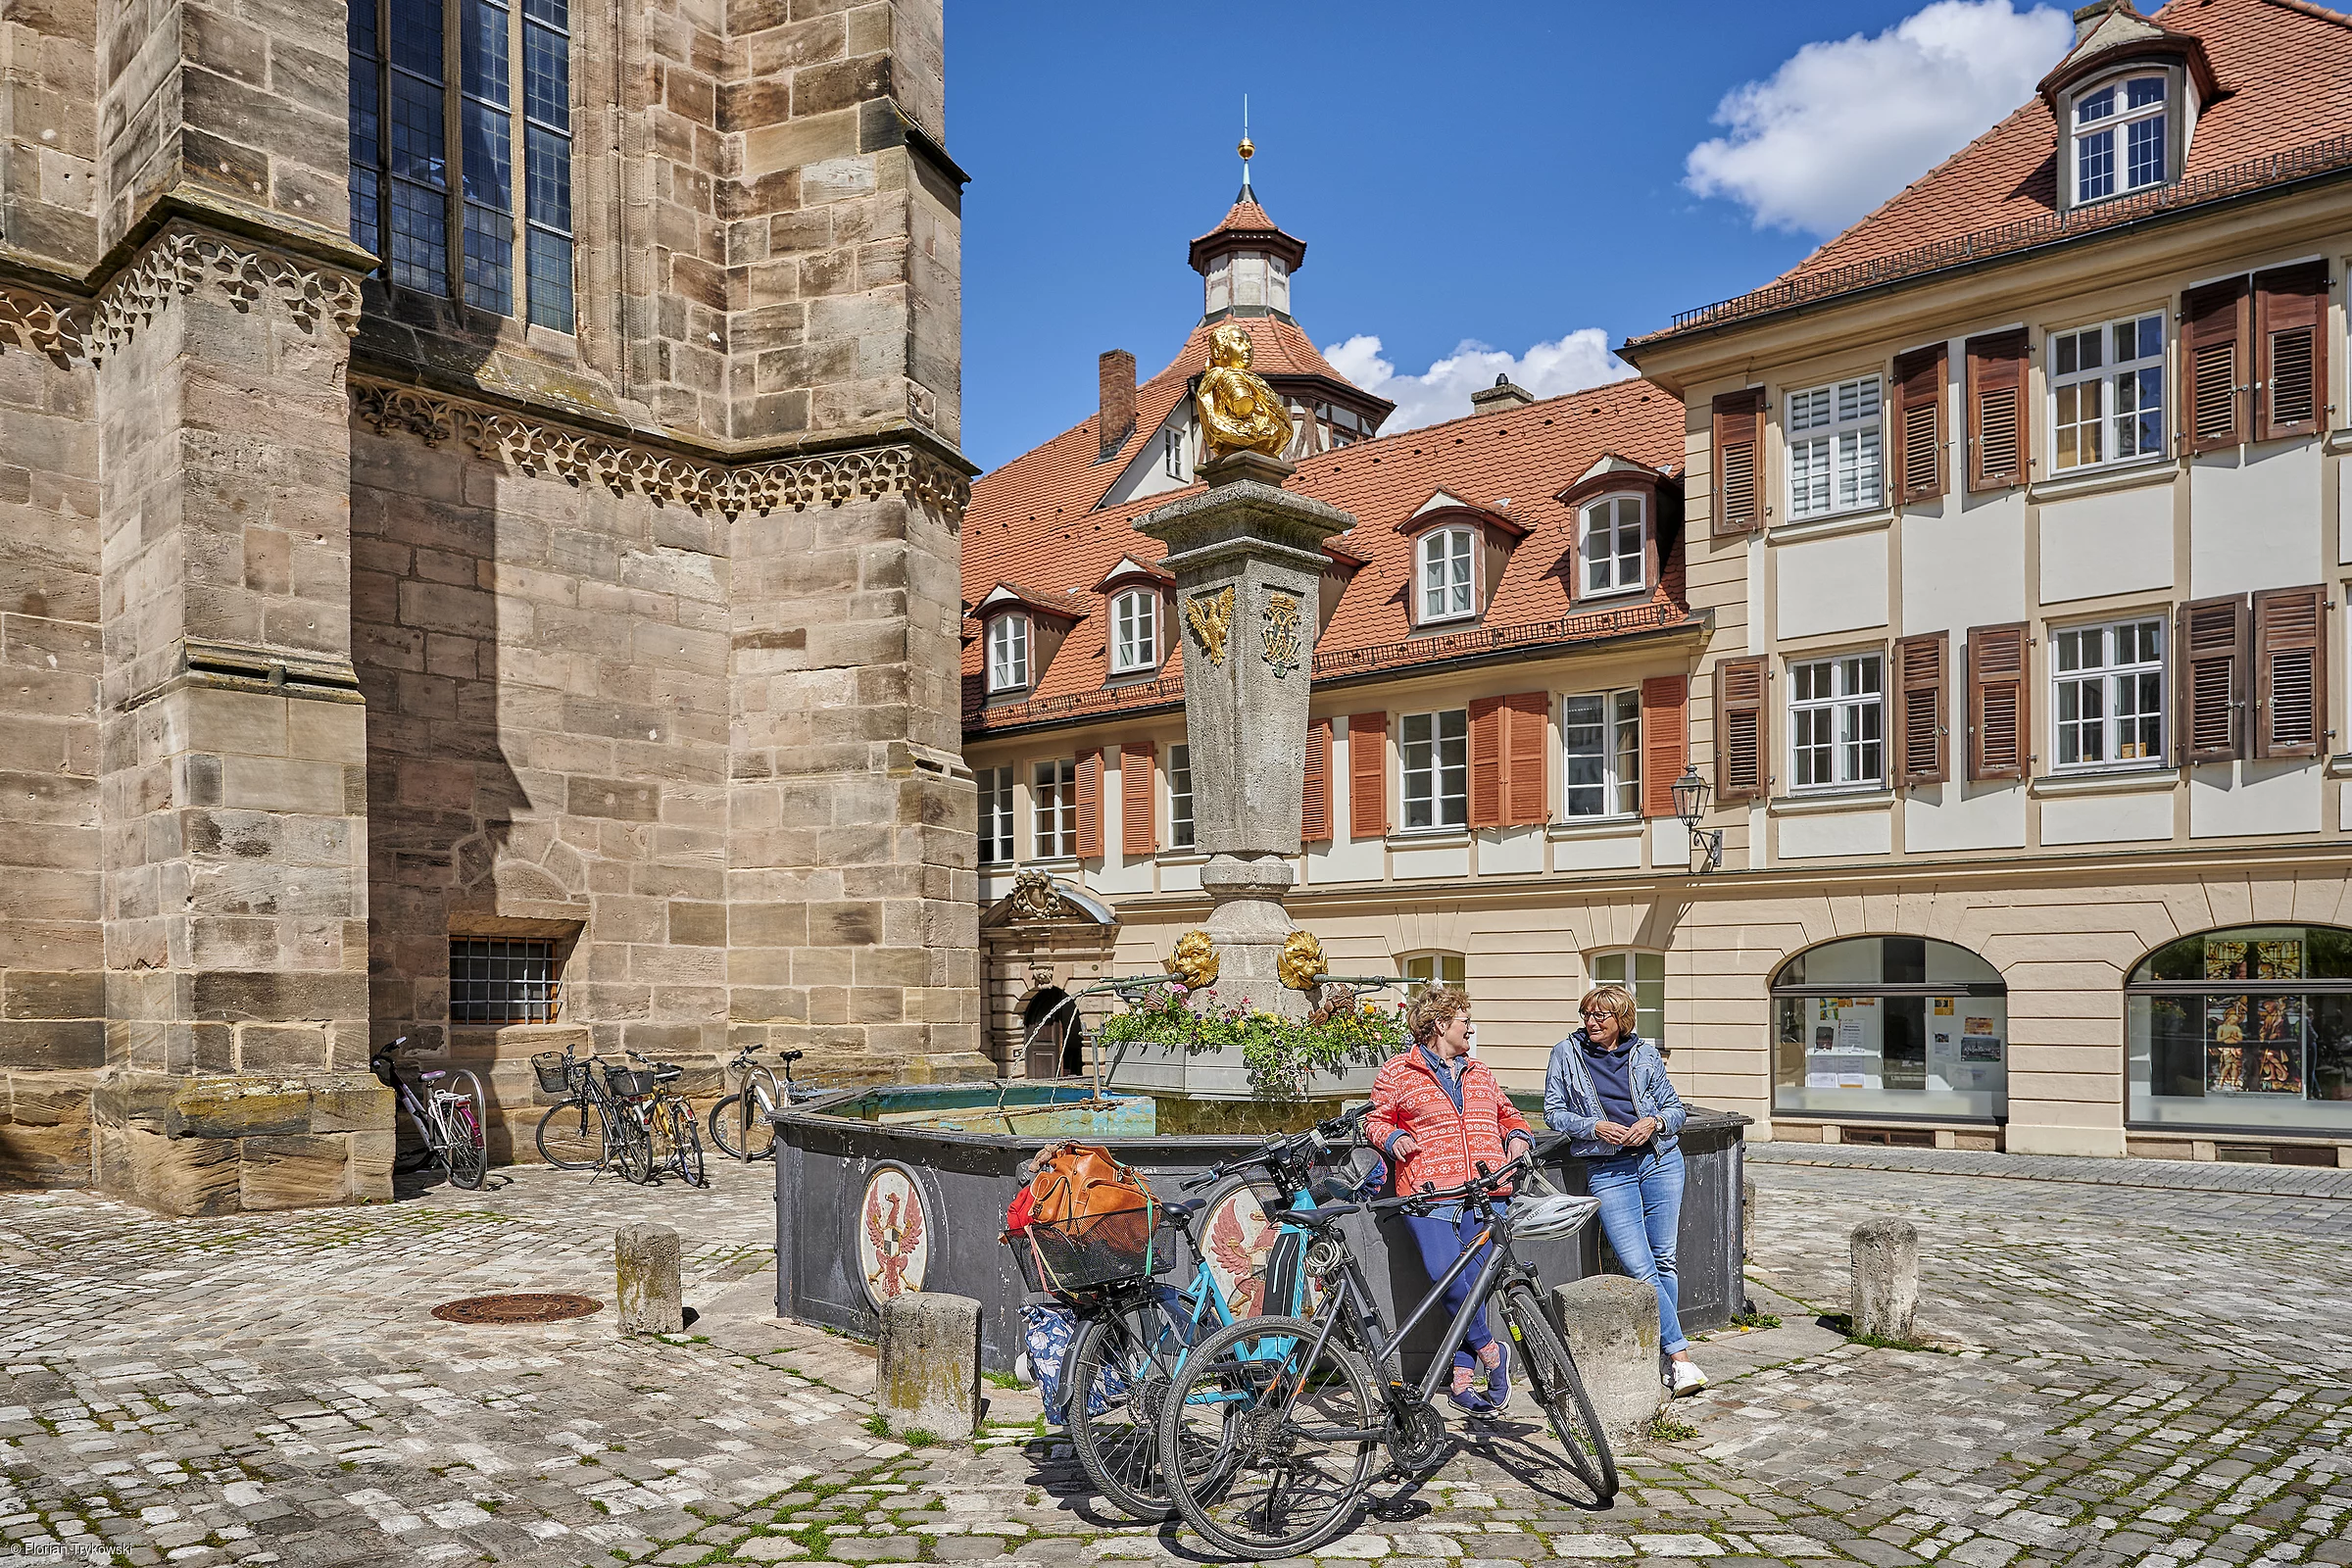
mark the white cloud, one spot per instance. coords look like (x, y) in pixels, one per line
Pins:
(1568, 363)
(1844, 125)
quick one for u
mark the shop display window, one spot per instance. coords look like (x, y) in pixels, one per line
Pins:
(1878, 1027)
(2243, 1030)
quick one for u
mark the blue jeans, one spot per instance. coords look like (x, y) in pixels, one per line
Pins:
(1640, 1204)
(1443, 1238)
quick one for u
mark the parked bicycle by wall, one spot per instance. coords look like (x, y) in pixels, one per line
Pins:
(656, 1122)
(739, 1122)
(448, 1110)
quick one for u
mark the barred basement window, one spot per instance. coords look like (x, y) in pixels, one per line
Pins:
(500, 980)
(409, 192)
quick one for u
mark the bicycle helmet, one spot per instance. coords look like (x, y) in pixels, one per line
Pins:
(1540, 1216)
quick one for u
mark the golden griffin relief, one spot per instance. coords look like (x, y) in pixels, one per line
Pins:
(1281, 634)
(1300, 961)
(1239, 411)
(1195, 960)
(1211, 615)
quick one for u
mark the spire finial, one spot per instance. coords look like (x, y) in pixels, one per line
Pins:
(1247, 147)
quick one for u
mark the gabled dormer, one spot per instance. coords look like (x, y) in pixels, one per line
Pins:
(1460, 549)
(2125, 99)
(1139, 603)
(1626, 512)
(1021, 629)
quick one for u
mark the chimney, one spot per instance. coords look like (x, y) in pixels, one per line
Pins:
(1504, 396)
(1115, 371)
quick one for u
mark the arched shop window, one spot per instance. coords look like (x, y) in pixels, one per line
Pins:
(1878, 1027)
(2244, 1030)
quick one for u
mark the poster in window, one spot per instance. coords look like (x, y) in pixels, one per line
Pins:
(2225, 1037)
(2225, 961)
(2279, 960)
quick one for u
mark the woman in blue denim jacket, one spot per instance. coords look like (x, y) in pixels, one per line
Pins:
(1607, 1088)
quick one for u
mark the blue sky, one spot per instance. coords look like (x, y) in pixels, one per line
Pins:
(1506, 173)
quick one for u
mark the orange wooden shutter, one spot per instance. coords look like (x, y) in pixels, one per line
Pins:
(1919, 425)
(1999, 709)
(2291, 313)
(1315, 806)
(2213, 331)
(1999, 443)
(1526, 749)
(1919, 701)
(1740, 732)
(2212, 659)
(1367, 775)
(1090, 802)
(1665, 740)
(1486, 762)
(2290, 672)
(1139, 815)
(1739, 421)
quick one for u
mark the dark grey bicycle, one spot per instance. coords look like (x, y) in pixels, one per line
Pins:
(448, 1111)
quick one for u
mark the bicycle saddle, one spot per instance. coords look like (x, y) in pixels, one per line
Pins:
(787, 1056)
(1186, 1207)
(437, 1072)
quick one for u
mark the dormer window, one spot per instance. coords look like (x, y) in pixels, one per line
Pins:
(1610, 544)
(2122, 137)
(1135, 632)
(1446, 556)
(1008, 653)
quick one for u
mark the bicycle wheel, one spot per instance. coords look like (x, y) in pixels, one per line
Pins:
(1272, 1441)
(1119, 1369)
(571, 1136)
(686, 1145)
(1552, 1378)
(632, 1146)
(760, 1096)
(468, 1153)
(723, 1119)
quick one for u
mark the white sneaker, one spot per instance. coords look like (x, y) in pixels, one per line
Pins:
(1686, 1378)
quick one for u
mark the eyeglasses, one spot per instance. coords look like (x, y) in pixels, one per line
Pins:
(1603, 1013)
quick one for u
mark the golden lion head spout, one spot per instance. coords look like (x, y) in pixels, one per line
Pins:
(1195, 960)
(1301, 961)
(1239, 411)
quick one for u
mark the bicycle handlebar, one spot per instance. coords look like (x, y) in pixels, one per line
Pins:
(1319, 1139)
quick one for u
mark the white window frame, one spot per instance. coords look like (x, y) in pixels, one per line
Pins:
(1008, 653)
(1628, 964)
(1182, 831)
(1171, 453)
(1053, 810)
(1612, 578)
(1432, 967)
(1620, 718)
(996, 816)
(2112, 125)
(1836, 448)
(1856, 720)
(1446, 568)
(1134, 651)
(2117, 682)
(1444, 793)
(2111, 382)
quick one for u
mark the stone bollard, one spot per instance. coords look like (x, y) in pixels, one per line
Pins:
(930, 1372)
(1885, 1280)
(645, 1280)
(1612, 1328)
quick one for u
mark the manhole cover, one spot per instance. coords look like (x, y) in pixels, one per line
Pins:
(546, 1309)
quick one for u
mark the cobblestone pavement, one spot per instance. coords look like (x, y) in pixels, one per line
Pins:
(2156, 1377)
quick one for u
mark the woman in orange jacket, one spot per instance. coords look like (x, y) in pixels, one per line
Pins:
(1437, 1114)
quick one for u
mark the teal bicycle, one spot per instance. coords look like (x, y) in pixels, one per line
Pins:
(1133, 1335)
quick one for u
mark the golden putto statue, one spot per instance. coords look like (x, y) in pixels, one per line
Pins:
(1239, 411)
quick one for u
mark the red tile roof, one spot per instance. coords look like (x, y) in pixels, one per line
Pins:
(2286, 73)
(1034, 520)
(1245, 221)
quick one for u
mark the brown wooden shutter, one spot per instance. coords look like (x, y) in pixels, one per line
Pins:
(1999, 432)
(1920, 692)
(1090, 802)
(2000, 709)
(1919, 458)
(1665, 740)
(1367, 775)
(1486, 762)
(1315, 811)
(2213, 363)
(1526, 749)
(1741, 732)
(1138, 800)
(2212, 645)
(2290, 672)
(2290, 314)
(1738, 427)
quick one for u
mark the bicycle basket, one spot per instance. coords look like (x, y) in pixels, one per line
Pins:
(628, 1082)
(1088, 1252)
(552, 1077)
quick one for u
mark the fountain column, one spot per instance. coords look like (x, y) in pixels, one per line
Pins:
(1247, 559)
